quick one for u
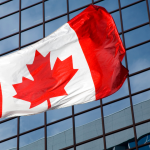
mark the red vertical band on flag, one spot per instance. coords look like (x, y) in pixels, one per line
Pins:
(0, 101)
(102, 47)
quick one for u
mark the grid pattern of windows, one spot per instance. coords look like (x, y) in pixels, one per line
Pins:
(24, 22)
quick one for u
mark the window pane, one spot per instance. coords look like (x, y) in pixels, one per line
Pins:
(120, 140)
(134, 15)
(55, 8)
(8, 129)
(127, 2)
(88, 125)
(143, 135)
(74, 4)
(82, 107)
(141, 58)
(9, 145)
(116, 17)
(72, 15)
(54, 25)
(25, 3)
(32, 140)
(141, 106)
(13, 43)
(109, 5)
(123, 91)
(31, 16)
(9, 7)
(93, 145)
(56, 114)
(32, 35)
(117, 115)
(30, 122)
(7, 28)
(60, 135)
(137, 36)
(144, 148)
(140, 81)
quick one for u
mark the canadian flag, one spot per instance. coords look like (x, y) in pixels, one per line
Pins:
(78, 63)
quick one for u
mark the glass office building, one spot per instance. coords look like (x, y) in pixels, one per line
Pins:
(118, 122)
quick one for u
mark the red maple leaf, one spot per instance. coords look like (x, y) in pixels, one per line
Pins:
(47, 83)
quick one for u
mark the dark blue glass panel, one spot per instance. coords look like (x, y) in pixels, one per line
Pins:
(60, 135)
(88, 125)
(54, 25)
(85, 106)
(32, 35)
(123, 91)
(74, 4)
(120, 140)
(53, 115)
(138, 58)
(13, 43)
(25, 3)
(32, 140)
(93, 145)
(127, 2)
(134, 15)
(9, 7)
(109, 5)
(137, 36)
(9, 145)
(75, 13)
(55, 8)
(30, 122)
(8, 129)
(116, 17)
(9, 25)
(31, 16)
(140, 81)
(117, 115)
(147, 147)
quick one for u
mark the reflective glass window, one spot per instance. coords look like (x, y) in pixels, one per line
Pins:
(60, 135)
(123, 91)
(120, 140)
(31, 16)
(54, 8)
(30, 122)
(9, 25)
(141, 58)
(9, 145)
(8, 129)
(51, 26)
(25, 3)
(88, 125)
(13, 43)
(72, 15)
(140, 81)
(74, 4)
(134, 15)
(56, 114)
(137, 36)
(93, 145)
(82, 107)
(117, 115)
(109, 5)
(141, 104)
(127, 2)
(32, 35)
(9, 7)
(27, 141)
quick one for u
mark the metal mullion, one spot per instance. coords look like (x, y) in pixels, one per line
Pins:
(129, 88)
(103, 125)
(9, 14)
(148, 11)
(5, 2)
(92, 1)
(45, 113)
(68, 10)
